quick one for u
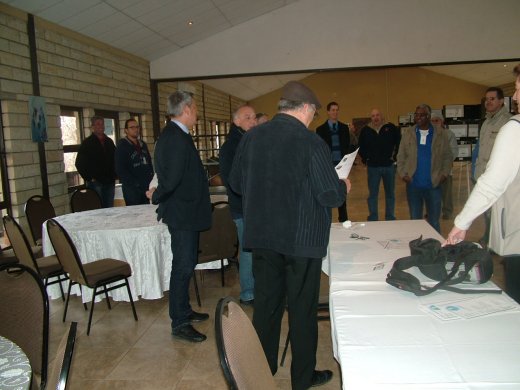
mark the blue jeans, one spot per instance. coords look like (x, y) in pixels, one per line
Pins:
(247, 281)
(375, 174)
(105, 191)
(431, 198)
(185, 245)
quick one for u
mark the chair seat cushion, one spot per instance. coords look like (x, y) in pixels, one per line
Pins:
(104, 269)
(7, 257)
(48, 265)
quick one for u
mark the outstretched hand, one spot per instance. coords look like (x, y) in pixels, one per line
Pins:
(455, 236)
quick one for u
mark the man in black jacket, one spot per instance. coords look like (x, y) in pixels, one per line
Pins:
(95, 162)
(184, 205)
(337, 135)
(243, 119)
(378, 146)
(133, 165)
(288, 186)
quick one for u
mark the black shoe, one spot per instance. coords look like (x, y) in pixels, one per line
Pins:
(320, 377)
(188, 332)
(197, 317)
(251, 302)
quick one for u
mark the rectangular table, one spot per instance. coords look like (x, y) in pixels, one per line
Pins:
(383, 340)
(130, 233)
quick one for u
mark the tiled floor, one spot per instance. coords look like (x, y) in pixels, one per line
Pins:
(122, 353)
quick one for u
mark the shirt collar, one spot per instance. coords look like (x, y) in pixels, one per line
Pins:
(182, 126)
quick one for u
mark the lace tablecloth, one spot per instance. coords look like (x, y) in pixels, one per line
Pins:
(15, 370)
(132, 234)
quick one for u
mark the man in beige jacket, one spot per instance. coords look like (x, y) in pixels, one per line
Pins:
(424, 161)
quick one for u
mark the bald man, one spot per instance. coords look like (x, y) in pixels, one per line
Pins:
(378, 146)
(244, 118)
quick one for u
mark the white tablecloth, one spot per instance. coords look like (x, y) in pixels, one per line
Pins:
(383, 340)
(132, 234)
(15, 369)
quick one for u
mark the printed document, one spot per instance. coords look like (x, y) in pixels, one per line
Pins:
(345, 165)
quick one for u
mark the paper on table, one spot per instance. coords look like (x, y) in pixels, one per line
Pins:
(345, 165)
(467, 308)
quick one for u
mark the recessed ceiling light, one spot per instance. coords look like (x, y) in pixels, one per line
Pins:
(190, 22)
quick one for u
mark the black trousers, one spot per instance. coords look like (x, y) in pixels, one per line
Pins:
(184, 244)
(296, 280)
(512, 276)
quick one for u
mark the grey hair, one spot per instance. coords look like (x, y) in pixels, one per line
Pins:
(425, 107)
(96, 118)
(177, 101)
(235, 113)
(289, 105)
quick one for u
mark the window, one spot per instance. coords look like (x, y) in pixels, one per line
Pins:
(71, 124)
(209, 138)
(111, 124)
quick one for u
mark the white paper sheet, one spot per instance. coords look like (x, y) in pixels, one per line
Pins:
(345, 165)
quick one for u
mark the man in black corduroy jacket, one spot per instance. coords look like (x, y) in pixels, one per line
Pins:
(288, 188)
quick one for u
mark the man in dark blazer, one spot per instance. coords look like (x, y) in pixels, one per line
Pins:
(184, 205)
(337, 135)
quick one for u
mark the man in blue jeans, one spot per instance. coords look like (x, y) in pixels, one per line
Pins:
(244, 118)
(424, 162)
(378, 146)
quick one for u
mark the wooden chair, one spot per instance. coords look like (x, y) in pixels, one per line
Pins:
(24, 313)
(59, 372)
(95, 275)
(46, 267)
(37, 210)
(220, 242)
(241, 355)
(85, 199)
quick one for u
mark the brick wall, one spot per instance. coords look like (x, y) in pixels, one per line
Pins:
(76, 71)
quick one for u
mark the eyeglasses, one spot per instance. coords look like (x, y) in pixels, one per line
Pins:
(420, 114)
(134, 127)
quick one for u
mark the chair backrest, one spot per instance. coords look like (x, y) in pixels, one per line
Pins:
(59, 372)
(66, 252)
(241, 355)
(228, 236)
(85, 199)
(37, 210)
(24, 313)
(20, 243)
(221, 240)
(209, 244)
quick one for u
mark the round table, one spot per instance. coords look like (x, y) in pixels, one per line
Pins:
(15, 369)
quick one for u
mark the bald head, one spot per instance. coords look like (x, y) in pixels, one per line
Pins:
(244, 117)
(376, 117)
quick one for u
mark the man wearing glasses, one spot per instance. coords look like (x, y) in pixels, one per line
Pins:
(133, 165)
(424, 162)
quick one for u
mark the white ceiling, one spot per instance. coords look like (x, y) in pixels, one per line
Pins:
(153, 28)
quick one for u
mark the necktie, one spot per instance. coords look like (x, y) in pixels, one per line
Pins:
(335, 127)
